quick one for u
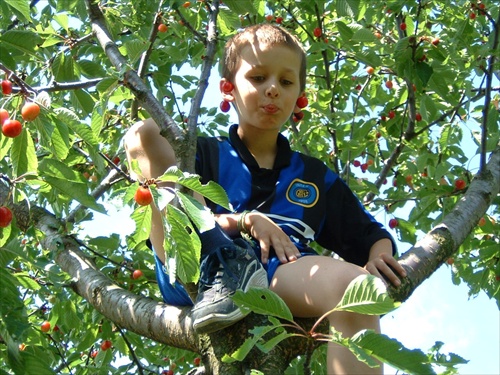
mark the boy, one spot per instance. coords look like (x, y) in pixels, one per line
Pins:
(284, 200)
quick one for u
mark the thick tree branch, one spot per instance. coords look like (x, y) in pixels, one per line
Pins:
(441, 242)
(168, 127)
(144, 316)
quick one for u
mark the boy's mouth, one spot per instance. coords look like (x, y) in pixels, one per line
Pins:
(270, 108)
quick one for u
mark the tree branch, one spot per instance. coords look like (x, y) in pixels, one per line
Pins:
(442, 241)
(168, 127)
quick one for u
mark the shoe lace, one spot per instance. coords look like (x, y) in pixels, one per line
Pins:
(215, 265)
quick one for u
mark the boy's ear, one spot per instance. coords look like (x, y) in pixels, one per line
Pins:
(227, 95)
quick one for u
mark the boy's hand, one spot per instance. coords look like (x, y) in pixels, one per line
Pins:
(270, 235)
(383, 264)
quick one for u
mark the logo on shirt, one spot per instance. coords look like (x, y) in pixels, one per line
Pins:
(302, 193)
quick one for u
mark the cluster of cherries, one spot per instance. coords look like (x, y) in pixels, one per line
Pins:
(227, 87)
(11, 127)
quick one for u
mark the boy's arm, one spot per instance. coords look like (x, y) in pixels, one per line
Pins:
(264, 230)
(381, 263)
(154, 155)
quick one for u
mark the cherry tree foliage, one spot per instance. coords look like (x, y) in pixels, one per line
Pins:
(403, 105)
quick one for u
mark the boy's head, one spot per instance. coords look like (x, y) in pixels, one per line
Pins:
(264, 34)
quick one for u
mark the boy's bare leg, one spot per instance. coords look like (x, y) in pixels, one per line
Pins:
(313, 285)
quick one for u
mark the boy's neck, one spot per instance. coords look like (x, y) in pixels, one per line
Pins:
(262, 145)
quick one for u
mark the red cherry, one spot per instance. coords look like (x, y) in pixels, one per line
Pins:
(298, 116)
(481, 222)
(388, 84)
(317, 32)
(460, 184)
(391, 114)
(370, 70)
(6, 87)
(393, 223)
(106, 344)
(30, 111)
(187, 4)
(450, 261)
(472, 15)
(279, 20)
(227, 87)
(162, 28)
(302, 102)
(402, 26)
(197, 361)
(435, 41)
(11, 128)
(143, 196)
(136, 274)
(383, 118)
(225, 106)
(4, 116)
(94, 353)
(356, 163)
(45, 327)
(5, 217)
(418, 117)
(269, 17)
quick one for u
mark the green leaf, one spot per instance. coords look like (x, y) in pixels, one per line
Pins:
(20, 8)
(26, 281)
(367, 294)
(241, 353)
(200, 215)
(134, 49)
(263, 301)
(424, 72)
(347, 8)
(211, 190)
(345, 31)
(23, 154)
(241, 6)
(24, 41)
(392, 352)
(142, 218)
(363, 35)
(187, 245)
(68, 183)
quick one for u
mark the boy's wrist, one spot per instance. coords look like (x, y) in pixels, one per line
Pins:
(241, 224)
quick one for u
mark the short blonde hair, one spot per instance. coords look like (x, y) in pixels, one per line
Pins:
(265, 34)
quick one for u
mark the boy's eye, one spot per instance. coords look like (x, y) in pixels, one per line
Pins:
(258, 78)
(286, 82)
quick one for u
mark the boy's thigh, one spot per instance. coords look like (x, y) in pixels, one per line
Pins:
(313, 285)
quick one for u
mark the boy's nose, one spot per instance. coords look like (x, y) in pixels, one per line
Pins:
(272, 91)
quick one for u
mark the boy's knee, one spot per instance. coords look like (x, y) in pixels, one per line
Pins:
(140, 134)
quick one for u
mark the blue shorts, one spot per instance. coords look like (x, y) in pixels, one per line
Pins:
(176, 294)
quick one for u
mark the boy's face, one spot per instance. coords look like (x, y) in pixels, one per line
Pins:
(266, 85)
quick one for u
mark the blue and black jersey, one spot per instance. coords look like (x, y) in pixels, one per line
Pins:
(300, 194)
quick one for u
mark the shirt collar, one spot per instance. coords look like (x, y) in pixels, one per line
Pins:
(282, 158)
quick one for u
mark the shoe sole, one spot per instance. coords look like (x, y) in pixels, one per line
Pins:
(215, 322)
